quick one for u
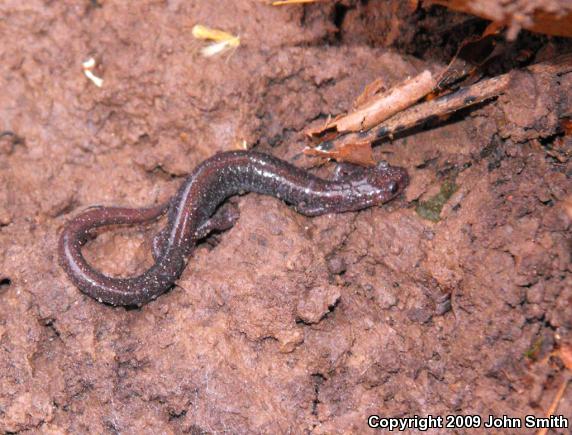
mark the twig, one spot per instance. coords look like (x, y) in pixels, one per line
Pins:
(381, 107)
(555, 403)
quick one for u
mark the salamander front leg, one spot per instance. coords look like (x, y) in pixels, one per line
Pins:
(347, 171)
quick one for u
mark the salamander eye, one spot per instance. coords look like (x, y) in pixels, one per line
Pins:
(393, 187)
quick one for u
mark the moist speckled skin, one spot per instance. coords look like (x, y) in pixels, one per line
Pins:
(213, 181)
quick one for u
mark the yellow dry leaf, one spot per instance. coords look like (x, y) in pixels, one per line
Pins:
(222, 41)
(203, 32)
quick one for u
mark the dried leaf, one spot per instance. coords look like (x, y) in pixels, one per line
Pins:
(565, 354)
(534, 351)
(222, 41)
(206, 33)
(566, 124)
(494, 28)
(323, 132)
(549, 23)
(358, 153)
(471, 55)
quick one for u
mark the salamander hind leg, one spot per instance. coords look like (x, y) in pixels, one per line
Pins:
(223, 219)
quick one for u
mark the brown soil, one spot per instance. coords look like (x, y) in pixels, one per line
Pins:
(283, 323)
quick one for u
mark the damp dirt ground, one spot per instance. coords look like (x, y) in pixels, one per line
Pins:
(284, 323)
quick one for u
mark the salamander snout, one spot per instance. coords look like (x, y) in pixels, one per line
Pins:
(390, 180)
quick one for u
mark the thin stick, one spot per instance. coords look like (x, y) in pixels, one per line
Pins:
(381, 107)
(555, 403)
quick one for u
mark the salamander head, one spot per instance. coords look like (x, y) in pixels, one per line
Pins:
(386, 181)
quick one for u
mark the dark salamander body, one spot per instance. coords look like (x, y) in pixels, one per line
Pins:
(189, 212)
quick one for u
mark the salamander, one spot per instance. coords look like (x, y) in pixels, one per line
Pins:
(191, 210)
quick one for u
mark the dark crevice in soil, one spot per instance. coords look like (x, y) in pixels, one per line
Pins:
(318, 379)
(173, 415)
(15, 139)
(494, 152)
(332, 307)
(136, 307)
(429, 42)
(441, 41)
(558, 148)
(111, 427)
(51, 325)
(4, 284)
(340, 12)
(163, 173)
